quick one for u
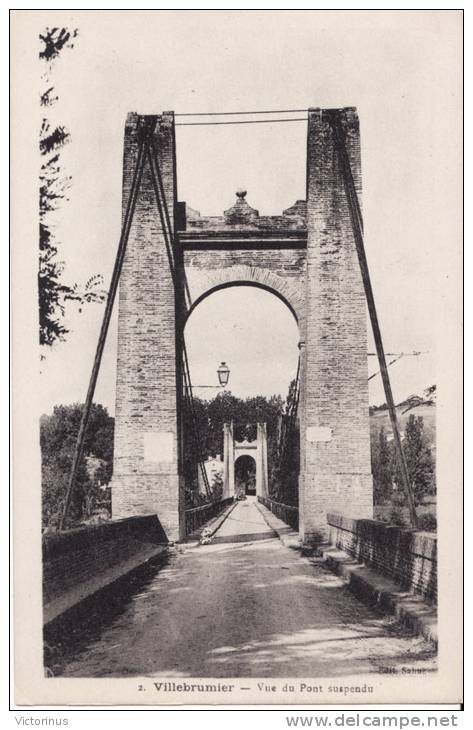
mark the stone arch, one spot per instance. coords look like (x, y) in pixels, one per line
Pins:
(203, 284)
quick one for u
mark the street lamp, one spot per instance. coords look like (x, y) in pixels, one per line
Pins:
(223, 373)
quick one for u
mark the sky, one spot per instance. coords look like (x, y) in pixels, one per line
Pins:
(407, 95)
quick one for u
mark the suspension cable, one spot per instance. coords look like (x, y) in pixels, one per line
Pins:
(125, 232)
(195, 430)
(200, 463)
(391, 362)
(233, 114)
(165, 218)
(162, 209)
(241, 121)
(415, 353)
(158, 186)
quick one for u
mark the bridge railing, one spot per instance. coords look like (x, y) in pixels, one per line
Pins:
(285, 512)
(195, 517)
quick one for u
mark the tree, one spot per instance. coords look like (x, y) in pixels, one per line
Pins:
(58, 433)
(53, 291)
(203, 426)
(381, 467)
(420, 462)
(53, 41)
(284, 450)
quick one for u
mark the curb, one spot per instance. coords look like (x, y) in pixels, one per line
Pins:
(373, 588)
(288, 536)
(367, 584)
(220, 519)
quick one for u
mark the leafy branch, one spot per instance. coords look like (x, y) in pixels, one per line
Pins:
(53, 291)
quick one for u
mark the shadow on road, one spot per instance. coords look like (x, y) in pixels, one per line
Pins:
(245, 537)
(242, 606)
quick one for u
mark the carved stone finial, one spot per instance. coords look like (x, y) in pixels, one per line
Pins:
(240, 213)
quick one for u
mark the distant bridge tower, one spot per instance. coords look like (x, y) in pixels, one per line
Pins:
(233, 450)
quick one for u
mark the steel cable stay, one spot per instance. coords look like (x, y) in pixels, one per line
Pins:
(234, 114)
(195, 428)
(125, 232)
(163, 209)
(200, 462)
(357, 226)
(396, 359)
(391, 362)
(415, 353)
(170, 248)
(195, 439)
(241, 121)
(145, 150)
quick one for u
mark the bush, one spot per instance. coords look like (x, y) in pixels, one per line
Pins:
(428, 522)
(58, 433)
(397, 517)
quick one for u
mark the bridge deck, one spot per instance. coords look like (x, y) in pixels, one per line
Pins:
(244, 605)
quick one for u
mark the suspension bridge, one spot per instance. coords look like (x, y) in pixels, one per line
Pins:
(169, 259)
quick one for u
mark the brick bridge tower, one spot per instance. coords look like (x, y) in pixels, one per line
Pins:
(306, 256)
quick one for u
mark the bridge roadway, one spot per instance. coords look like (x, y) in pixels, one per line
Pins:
(244, 605)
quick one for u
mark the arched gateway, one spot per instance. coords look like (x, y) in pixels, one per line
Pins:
(306, 256)
(233, 450)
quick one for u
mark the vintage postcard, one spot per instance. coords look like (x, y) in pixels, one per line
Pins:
(237, 384)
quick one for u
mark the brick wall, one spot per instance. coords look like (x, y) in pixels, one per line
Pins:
(146, 454)
(280, 271)
(335, 439)
(74, 558)
(407, 556)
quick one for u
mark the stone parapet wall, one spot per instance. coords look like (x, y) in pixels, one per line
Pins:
(407, 556)
(88, 556)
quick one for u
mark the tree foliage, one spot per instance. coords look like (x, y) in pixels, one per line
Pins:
(420, 462)
(203, 436)
(53, 40)
(381, 467)
(210, 416)
(53, 290)
(417, 446)
(58, 434)
(284, 452)
(203, 424)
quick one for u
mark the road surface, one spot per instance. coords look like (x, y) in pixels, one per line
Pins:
(244, 605)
